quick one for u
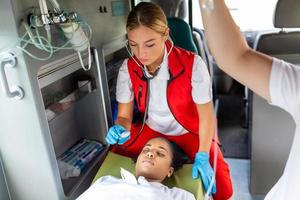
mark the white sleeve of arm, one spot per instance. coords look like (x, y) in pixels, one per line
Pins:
(124, 92)
(285, 87)
(201, 82)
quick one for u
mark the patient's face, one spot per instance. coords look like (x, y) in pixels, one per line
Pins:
(154, 162)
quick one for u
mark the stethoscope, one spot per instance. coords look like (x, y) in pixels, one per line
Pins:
(148, 77)
(146, 74)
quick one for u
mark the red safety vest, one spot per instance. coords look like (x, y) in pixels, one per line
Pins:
(179, 88)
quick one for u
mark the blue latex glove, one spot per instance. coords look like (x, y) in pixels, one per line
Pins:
(202, 167)
(117, 134)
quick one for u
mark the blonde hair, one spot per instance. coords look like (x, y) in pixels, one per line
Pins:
(147, 14)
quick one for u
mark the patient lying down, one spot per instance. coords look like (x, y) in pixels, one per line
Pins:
(156, 162)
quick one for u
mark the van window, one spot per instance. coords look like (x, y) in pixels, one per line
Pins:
(248, 14)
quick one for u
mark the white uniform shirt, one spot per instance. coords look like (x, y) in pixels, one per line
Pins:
(130, 188)
(285, 93)
(160, 117)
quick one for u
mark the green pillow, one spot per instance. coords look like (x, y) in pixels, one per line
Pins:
(182, 178)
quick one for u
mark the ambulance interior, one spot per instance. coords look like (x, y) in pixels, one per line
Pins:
(53, 97)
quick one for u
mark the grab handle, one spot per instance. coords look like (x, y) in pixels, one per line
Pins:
(9, 60)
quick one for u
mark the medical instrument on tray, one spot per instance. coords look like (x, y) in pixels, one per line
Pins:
(75, 159)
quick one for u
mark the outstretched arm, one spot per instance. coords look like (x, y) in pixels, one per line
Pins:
(231, 51)
(125, 112)
(118, 133)
(206, 125)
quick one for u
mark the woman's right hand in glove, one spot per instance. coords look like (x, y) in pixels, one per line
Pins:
(117, 134)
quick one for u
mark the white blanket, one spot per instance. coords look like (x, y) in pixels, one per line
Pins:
(109, 187)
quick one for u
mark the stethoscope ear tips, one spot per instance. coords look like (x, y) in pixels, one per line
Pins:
(128, 51)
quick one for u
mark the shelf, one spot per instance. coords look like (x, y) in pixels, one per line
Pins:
(72, 185)
(67, 102)
(58, 69)
(75, 122)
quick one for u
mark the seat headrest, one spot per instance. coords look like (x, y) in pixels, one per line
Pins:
(181, 34)
(287, 14)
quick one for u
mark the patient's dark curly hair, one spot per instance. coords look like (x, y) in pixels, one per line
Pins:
(177, 158)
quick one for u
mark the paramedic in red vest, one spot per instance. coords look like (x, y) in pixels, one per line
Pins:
(174, 85)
